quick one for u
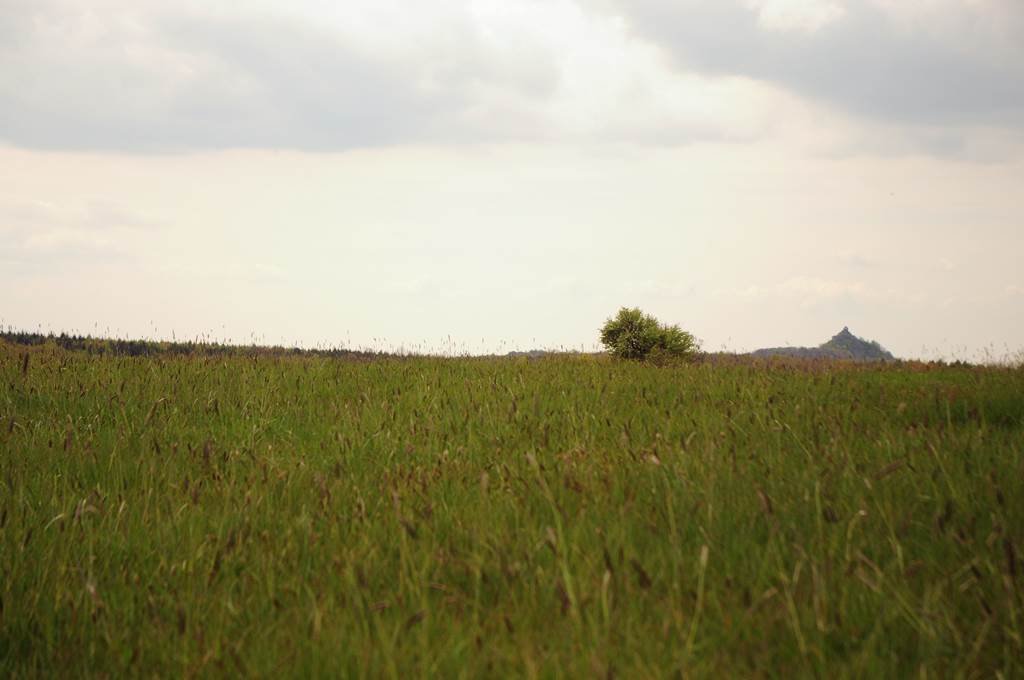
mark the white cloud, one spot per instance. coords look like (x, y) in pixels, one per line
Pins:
(945, 77)
(796, 15)
(811, 291)
(159, 76)
(817, 289)
(857, 260)
(230, 269)
(40, 230)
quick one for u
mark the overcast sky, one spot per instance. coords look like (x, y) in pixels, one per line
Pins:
(482, 175)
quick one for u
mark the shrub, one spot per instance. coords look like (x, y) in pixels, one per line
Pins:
(631, 334)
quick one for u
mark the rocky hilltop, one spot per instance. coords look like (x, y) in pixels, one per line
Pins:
(843, 345)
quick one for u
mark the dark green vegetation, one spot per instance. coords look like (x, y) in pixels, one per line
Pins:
(631, 334)
(276, 515)
(145, 348)
(843, 345)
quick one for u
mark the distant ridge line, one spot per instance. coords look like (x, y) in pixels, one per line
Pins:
(843, 345)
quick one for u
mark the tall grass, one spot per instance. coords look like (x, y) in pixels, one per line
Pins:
(233, 514)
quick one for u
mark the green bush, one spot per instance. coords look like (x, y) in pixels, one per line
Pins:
(631, 334)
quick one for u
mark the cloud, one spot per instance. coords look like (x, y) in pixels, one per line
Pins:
(929, 64)
(810, 291)
(41, 231)
(152, 79)
(161, 76)
(941, 76)
(155, 76)
(228, 270)
(856, 260)
(796, 15)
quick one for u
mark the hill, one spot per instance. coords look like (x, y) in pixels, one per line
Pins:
(843, 345)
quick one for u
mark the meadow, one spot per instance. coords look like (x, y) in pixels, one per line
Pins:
(274, 515)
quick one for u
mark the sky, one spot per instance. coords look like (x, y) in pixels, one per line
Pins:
(482, 175)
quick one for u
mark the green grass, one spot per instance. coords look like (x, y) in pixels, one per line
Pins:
(303, 516)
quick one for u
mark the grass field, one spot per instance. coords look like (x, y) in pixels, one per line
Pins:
(570, 516)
